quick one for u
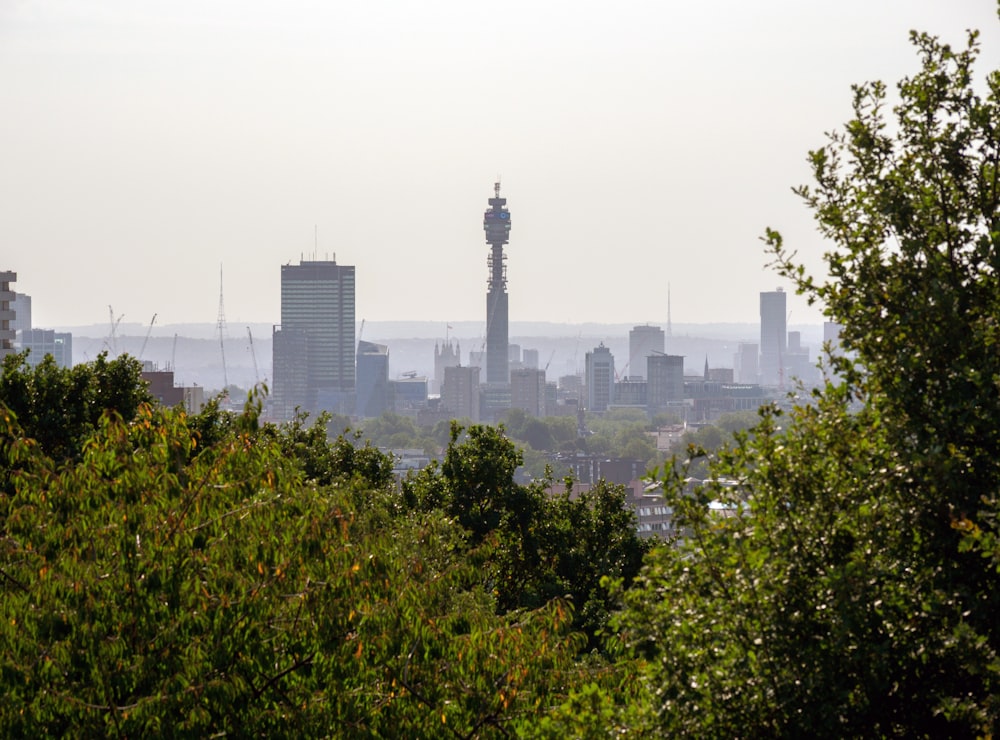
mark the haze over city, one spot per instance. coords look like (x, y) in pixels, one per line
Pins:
(146, 144)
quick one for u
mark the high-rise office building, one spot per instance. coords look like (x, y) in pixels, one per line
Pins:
(372, 380)
(22, 311)
(7, 313)
(773, 337)
(529, 359)
(408, 394)
(600, 372)
(643, 341)
(460, 392)
(316, 335)
(527, 390)
(289, 389)
(496, 225)
(44, 342)
(747, 362)
(665, 381)
(797, 364)
(831, 335)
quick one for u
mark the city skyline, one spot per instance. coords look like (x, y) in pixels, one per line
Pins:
(150, 143)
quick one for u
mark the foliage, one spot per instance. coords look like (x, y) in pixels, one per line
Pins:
(59, 407)
(849, 586)
(325, 462)
(548, 433)
(161, 586)
(537, 547)
(395, 431)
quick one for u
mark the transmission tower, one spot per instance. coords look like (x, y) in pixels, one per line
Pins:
(496, 224)
(222, 334)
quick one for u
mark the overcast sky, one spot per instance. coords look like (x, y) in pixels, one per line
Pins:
(143, 144)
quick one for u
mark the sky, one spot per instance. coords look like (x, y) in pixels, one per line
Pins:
(640, 144)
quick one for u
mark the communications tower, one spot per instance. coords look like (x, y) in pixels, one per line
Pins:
(496, 224)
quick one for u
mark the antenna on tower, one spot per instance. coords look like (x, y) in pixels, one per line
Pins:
(222, 333)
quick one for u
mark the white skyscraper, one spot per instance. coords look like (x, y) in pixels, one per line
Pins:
(773, 337)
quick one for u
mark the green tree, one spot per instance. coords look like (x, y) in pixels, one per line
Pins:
(165, 586)
(849, 587)
(325, 462)
(538, 434)
(535, 547)
(563, 430)
(59, 407)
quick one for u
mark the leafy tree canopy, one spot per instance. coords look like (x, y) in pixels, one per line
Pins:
(850, 586)
(59, 407)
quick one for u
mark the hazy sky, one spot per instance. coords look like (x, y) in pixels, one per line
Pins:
(143, 144)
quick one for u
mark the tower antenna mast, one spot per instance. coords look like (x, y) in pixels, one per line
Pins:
(496, 225)
(222, 333)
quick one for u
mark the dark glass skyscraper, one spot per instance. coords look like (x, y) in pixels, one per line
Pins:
(314, 345)
(496, 224)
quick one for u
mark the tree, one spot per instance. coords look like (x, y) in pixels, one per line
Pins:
(538, 434)
(167, 585)
(326, 462)
(535, 548)
(59, 407)
(849, 586)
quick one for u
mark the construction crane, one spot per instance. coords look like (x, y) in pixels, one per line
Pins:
(253, 356)
(144, 341)
(622, 375)
(112, 341)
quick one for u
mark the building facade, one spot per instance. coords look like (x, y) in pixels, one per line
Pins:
(43, 342)
(22, 311)
(643, 341)
(747, 362)
(527, 391)
(665, 381)
(773, 337)
(460, 393)
(529, 359)
(600, 378)
(290, 387)
(448, 354)
(7, 313)
(408, 394)
(372, 380)
(318, 328)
